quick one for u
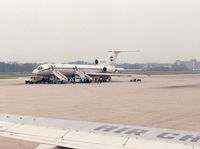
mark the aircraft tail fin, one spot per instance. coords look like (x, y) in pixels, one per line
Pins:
(112, 57)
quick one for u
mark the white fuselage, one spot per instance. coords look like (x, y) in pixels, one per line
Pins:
(69, 69)
(102, 66)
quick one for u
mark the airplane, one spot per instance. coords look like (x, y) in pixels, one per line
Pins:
(72, 134)
(103, 68)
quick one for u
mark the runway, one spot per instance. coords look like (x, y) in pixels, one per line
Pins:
(167, 101)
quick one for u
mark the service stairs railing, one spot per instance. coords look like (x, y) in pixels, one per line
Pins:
(59, 75)
(83, 75)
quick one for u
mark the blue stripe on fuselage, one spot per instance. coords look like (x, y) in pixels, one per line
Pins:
(78, 68)
(71, 68)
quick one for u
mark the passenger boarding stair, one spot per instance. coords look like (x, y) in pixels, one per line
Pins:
(59, 75)
(83, 75)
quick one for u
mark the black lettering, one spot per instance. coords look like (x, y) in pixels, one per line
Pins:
(192, 138)
(136, 132)
(121, 130)
(167, 135)
(106, 128)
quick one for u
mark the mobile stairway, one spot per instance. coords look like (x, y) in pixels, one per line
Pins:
(59, 75)
(83, 75)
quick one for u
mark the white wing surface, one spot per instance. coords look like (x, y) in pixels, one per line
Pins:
(53, 133)
(107, 74)
(46, 146)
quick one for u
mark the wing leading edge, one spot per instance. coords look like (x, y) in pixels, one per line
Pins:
(107, 74)
(91, 135)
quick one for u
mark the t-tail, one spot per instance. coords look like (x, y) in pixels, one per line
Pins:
(112, 57)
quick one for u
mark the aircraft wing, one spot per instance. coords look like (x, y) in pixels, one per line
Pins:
(55, 133)
(107, 74)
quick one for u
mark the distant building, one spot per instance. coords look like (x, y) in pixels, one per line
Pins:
(193, 64)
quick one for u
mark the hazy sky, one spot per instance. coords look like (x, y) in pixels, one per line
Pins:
(68, 30)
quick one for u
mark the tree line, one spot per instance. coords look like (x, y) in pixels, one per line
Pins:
(17, 67)
(28, 67)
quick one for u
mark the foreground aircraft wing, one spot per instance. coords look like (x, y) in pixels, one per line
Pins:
(55, 133)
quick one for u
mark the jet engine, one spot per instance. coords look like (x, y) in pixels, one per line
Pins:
(100, 62)
(109, 69)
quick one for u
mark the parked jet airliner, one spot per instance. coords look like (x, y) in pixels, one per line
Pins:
(102, 68)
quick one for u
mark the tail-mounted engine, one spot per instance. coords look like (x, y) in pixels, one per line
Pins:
(100, 62)
(103, 64)
(109, 69)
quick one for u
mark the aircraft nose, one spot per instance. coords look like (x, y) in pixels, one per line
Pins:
(35, 71)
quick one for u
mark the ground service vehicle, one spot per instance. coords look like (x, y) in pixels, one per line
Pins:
(56, 81)
(33, 80)
(135, 80)
(78, 79)
(42, 80)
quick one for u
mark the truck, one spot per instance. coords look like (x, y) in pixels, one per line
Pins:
(56, 81)
(78, 79)
(33, 80)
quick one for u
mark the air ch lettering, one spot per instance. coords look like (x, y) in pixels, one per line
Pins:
(191, 138)
(167, 135)
(121, 130)
(106, 128)
(136, 132)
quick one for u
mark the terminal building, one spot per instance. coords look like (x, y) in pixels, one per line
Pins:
(192, 64)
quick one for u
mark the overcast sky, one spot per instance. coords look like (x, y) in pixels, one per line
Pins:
(69, 30)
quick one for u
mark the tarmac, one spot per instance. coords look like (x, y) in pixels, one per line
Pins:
(163, 101)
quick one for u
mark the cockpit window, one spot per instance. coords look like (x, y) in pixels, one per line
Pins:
(39, 68)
